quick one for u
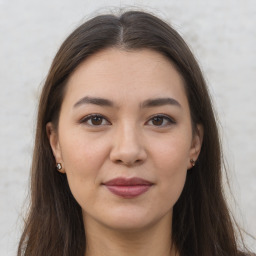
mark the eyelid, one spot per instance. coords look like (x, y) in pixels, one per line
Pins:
(169, 119)
(88, 117)
(164, 116)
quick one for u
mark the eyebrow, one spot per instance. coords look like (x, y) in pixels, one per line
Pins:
(160, 102)
(95, 101)
(145, 104)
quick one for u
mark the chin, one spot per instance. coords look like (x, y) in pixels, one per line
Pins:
(128, 225)
(130, 220)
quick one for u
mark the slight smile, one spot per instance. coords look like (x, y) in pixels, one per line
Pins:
(128, 188)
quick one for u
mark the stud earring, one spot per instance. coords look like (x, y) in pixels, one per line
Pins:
(193, 162)
(58, 166)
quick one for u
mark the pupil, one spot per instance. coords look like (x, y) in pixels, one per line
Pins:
(96, 120)
(157, 121)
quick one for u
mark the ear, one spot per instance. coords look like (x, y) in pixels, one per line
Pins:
(196, 145)
(55, 145)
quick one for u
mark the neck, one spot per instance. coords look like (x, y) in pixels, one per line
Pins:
(150, 241)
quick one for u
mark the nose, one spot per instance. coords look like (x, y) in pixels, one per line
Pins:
(128, 148)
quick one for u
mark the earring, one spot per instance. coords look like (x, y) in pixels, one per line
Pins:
(58, 166)
(193, 162)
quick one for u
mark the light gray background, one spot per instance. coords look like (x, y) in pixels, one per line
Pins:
(221, 33)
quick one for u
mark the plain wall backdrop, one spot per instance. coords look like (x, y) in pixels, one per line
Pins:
(221, 33)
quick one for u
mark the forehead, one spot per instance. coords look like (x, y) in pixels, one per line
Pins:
(122, 75)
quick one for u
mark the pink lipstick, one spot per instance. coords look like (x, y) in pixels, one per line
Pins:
(128, 188)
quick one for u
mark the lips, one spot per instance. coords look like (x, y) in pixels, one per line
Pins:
(128, 188)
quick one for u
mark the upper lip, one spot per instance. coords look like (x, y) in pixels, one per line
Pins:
(127, 182)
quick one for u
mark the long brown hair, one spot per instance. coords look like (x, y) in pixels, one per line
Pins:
(201, 220)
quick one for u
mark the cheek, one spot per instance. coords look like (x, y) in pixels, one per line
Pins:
(172, 151)
(83, 154)
(83, 158)
(171, 158)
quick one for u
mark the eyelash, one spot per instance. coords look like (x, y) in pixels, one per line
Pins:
(90, 117)
(168, 120)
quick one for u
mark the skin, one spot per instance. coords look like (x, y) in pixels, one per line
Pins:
(127, 142)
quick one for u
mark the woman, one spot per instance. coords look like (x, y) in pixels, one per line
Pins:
(127, 158)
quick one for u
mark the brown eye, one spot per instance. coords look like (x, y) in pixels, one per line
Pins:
(161, 121)
(157, 120)
(95, 120)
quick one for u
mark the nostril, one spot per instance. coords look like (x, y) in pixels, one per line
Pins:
(128, 163)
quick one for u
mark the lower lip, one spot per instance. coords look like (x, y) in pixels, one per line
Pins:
(129, 191)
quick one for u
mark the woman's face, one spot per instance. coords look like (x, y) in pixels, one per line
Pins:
(125, 138)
